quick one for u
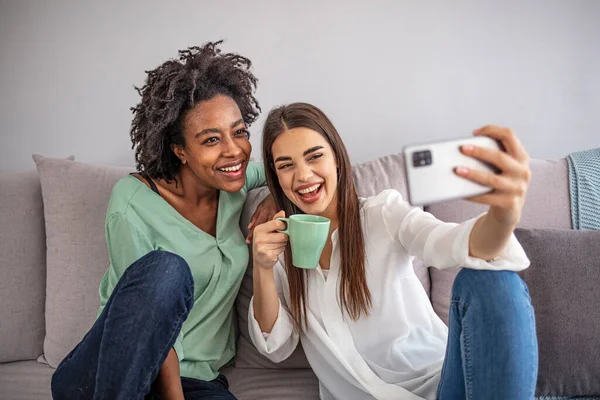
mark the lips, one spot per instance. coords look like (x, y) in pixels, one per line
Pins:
(310, 193)
(232, 170)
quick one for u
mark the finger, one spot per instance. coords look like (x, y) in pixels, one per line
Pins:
(494, 181)
(280, 214)
(272, 226)
(499, 159)
(253, 219)
(494, 200)
(272, 240)
(278, 238)
(509, 140)
(250, 237)
(261, 218)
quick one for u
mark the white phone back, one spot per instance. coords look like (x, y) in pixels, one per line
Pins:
(431, 178)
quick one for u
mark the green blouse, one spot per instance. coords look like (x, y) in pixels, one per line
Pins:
(138, 221)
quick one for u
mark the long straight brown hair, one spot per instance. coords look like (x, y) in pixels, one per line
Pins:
(354, 292)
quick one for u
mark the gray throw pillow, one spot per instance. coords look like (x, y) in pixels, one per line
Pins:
(75, 199)
(564, 284)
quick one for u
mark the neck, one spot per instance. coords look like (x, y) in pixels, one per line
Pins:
(192, 190)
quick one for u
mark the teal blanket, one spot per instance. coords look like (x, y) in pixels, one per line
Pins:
(584, 188)
(567, 398)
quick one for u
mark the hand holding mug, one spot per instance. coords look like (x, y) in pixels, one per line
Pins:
(268, 242)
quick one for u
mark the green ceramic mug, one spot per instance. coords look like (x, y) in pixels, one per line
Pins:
(308, 235)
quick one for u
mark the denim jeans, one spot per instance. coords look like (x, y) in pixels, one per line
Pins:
(492, 348)
(121, 355)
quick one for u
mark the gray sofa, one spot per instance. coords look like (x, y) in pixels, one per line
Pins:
(53, 255)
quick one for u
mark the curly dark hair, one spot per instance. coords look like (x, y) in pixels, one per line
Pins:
(175, 87)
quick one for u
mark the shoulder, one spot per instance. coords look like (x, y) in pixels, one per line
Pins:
(385, 211)
(254, 167)
(124, 192)
(384, 198)
(255, 176)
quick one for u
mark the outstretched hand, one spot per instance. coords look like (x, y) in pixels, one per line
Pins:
(507, 199)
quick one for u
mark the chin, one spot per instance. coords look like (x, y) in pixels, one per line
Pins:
(231, 187)
(313, 209)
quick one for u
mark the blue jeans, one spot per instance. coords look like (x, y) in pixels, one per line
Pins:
(121, 355)
(492, 348)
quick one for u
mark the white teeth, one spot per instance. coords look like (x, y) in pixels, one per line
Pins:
(309, 189)
(231, 169)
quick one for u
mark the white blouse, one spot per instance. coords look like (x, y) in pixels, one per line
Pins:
(397, 351)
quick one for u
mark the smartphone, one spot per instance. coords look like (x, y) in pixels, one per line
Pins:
(430, 175)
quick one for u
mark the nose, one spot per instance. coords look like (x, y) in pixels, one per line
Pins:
(303, 173)
(232, 149)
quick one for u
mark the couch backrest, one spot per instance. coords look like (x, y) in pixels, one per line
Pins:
(22, 267)
(75, 199)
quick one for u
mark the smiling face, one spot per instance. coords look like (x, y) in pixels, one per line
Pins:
(217, 147)
(306, 169)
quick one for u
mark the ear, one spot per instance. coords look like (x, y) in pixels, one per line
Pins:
(179, 152)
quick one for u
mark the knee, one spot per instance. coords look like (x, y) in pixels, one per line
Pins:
(501, 291)
(167, 276)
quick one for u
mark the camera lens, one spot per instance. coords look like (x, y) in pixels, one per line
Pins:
(422, 158)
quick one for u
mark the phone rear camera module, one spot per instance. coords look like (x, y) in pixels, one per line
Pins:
(422, 158)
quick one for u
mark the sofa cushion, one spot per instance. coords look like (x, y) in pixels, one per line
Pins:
(22, 267)
(29, 380)
(25, 380)
(371, 178)
(563, 281)
(547, 206)
(75, 199)
(270, 384)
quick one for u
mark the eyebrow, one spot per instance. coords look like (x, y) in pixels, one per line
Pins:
(217, 130)
(307, 152)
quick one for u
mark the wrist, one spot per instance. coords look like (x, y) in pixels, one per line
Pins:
(503, 219)
(263, 273)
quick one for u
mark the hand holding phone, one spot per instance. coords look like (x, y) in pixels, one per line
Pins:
(490, 168)
(431, 170)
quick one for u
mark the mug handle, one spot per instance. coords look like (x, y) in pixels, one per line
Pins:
(287, 223)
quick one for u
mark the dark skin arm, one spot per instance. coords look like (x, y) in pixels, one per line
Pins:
(169, 379)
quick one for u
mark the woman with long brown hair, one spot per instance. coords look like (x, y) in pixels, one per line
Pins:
(366, 323)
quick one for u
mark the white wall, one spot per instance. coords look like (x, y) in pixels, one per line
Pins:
(386, 72)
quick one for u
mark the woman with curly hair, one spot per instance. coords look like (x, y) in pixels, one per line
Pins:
(177, 254)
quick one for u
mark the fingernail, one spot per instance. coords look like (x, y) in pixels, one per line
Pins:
(462, 170)
(467, 148)
(477, 131)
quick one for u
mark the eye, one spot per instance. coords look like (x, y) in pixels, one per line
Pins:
(243, 132)
(315, 156)
(211, 140)
(283, 166)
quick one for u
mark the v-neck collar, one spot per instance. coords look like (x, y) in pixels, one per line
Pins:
(183, 219)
